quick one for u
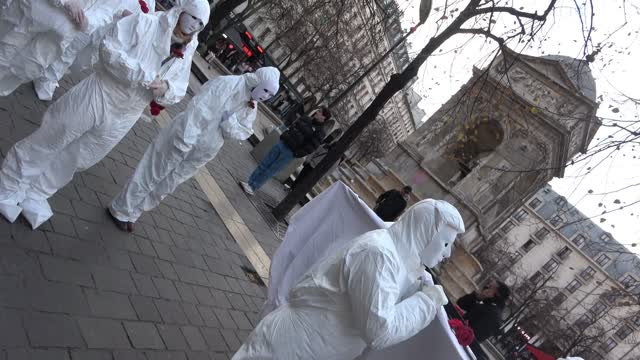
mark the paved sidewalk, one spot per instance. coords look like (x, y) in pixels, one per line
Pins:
(78, 288)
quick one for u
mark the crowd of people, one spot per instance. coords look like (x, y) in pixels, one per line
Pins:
(366, 295)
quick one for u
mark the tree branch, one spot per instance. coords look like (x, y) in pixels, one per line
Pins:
(517, 13)
(482, 32)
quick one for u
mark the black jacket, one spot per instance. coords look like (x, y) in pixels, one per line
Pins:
(390, 205)
(484, 316)
(303, 137)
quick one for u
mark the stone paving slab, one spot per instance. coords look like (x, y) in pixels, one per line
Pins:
(175, 289)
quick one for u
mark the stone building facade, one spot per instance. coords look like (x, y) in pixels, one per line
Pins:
(549, 251)
(508, 131)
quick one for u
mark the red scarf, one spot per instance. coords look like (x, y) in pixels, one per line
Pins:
(143, 6)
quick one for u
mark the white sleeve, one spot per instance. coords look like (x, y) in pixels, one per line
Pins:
(239, 125)
(177, 76)
(382, 317)
(118, 46)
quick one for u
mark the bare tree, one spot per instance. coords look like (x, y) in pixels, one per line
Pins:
(540, 311)
(476, 18)
(374, 142)
(317, 36)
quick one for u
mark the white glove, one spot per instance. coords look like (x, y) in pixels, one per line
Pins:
(76, 13)
(159, 87)
(436, 294)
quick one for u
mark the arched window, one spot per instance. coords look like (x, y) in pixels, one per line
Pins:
(479, 138)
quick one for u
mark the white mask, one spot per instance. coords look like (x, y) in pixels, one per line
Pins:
(440, 248)
(190, 24)
(263, 91)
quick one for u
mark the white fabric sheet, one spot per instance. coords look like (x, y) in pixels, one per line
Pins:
(344, 216)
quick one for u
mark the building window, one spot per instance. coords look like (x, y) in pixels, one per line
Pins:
(559, 299)
(546, 190)
(578, 240)
(583, 322)
(598, 309)
(508, 226)
(550, 266)
(624, 331)
(603, 259)
(542, 233)
(521, 215)
(528, 246)
(587, 273)
(556, 221)
(536, 278)
(612, 296)
(560, 201)
(605, 237)
(628, 282)
(564, 252)
(573, 286)
(608, 345)
(514, 258)
(636, 320)
(535, 203)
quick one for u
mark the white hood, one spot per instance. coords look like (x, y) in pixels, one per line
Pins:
(427, 230)
(263, 75)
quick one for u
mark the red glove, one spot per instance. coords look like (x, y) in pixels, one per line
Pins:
(155, 108)
(463, 332)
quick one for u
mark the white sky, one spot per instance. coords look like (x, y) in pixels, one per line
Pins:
(616, 70)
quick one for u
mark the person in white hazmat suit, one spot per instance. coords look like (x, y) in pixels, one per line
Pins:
(224, 108)
(366, 295)
(40, 39)
(81, 127)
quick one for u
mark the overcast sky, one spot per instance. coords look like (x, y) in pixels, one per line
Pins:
(590, 186)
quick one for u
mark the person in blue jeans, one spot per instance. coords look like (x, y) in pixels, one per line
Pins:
(301, 139)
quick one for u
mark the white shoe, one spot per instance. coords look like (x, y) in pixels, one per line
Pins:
(247, 188)
(10, 210)
(36, 212)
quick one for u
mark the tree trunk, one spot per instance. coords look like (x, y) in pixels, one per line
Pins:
(395, 84)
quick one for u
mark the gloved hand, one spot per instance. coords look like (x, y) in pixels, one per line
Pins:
(426, 278)
(436, 294)
(74, 10)
(159, 87)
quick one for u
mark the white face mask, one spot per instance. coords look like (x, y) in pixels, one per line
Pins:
(190, 24)
(263, 92)
(440, 248)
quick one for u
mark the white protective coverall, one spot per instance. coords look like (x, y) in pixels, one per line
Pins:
(39, 42)
(365, 295)
(220, 110)
(81, 127)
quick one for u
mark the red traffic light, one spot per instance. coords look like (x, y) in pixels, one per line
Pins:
(260, 50)
(248, 35)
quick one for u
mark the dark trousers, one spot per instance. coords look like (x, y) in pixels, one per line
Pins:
(306, 170)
